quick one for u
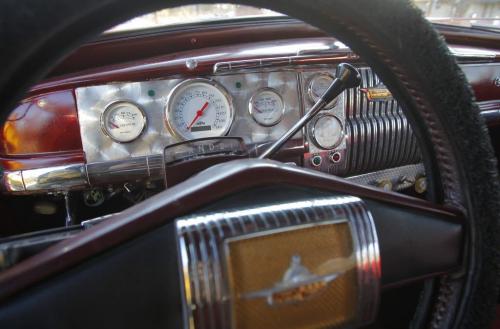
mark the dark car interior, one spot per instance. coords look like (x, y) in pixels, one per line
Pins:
(330, 166)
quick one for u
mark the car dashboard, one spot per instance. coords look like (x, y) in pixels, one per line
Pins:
(102, 139)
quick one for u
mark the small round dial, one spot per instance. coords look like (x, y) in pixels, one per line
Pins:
(327, 132)
(123, 121)
(199, 108)
(267, 107)
(318, 85)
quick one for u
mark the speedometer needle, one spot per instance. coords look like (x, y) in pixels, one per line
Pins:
(199, 113)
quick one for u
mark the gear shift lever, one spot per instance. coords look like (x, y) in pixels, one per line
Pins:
(347, 76)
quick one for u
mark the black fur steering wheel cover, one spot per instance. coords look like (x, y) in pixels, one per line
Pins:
(402, 48)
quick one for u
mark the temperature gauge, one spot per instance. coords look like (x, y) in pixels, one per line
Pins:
(318, 85)
(123, 121)
(267, 107)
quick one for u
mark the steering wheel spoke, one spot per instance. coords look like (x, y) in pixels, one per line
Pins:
(398, 239)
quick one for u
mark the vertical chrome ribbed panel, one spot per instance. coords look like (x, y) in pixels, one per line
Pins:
(206, 293)
(378, 133)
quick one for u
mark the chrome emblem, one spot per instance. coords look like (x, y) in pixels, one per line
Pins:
(496, 81)
(297, 285)
(378, 93)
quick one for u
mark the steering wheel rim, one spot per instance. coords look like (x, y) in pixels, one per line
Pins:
(404, 50)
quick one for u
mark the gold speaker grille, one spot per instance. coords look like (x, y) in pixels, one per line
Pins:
(323, 250)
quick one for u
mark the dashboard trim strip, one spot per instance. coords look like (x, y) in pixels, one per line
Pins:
(208, 186)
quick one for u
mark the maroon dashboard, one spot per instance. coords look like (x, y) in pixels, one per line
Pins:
(61, 139)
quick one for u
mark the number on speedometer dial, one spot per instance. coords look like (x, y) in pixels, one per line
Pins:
(199, 108)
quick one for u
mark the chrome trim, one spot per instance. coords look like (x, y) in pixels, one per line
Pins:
(94, 221)
(330, 56)
(12, 181)
(202, 241)
(496, 81)
(184, 84)
(378, 134)
(191, 64)
(283, 62)
(60, 178)
(401, 177)
(113, 104)
(63, 178)
(134, 169)
(249, 64)
(474, 54)
(250, 106)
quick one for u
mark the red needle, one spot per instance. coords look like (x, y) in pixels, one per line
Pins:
(256, 109)
(199, 113)
(114, 125)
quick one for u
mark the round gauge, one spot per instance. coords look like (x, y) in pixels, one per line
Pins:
(318, 85)
(327, 132)
(267, 107)
(199, 108)
(123, 121)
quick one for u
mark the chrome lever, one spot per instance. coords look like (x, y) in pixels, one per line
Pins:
(347, 76)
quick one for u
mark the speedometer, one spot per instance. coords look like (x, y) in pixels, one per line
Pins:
(199, 108)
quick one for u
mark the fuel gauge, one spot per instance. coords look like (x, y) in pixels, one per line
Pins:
(123, 121)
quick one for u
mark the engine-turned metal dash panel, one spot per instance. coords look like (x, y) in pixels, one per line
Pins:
(309, 263)
(152, 96)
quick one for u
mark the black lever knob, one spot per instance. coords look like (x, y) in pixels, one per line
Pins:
(347, 76)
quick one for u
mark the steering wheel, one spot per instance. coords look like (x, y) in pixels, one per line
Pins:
(125, 271)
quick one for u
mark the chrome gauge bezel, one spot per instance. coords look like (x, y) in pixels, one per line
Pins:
(167, 118)
(112, 105)
(312, 98)
(313, 133)
(251, 106)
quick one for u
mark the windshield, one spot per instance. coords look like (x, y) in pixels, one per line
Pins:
(485, 13)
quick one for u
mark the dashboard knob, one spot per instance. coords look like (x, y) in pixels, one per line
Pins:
(421, 185)
(384, 184)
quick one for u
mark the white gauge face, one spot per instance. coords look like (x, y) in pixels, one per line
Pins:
(318, 86)
(123, 121)
(266, 107)
(327, 132)
(198, 109)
